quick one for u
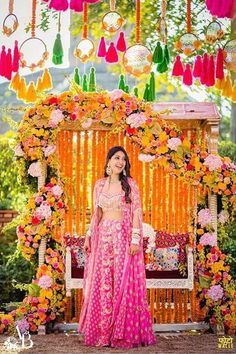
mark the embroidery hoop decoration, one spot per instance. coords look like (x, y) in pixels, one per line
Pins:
(230, 54)
(137, 59)
(45, 54)
(214, 31)
(188, 43)
(85, 48)
(112, 21)
(8, 31)
(161, 26)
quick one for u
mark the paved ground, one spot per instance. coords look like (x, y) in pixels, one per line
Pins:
(187, 343)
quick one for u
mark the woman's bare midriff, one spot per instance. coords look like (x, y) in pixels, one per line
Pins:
(112, 215)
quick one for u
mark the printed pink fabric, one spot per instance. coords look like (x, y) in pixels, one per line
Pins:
(115, 309)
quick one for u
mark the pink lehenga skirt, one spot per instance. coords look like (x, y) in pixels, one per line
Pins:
(117, 317)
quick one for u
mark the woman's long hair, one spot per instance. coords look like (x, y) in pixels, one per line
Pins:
(122, 177)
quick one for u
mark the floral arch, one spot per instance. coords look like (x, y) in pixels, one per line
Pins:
(161, 142)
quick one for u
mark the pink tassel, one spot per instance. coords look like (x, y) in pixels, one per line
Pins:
(3, 56)
(112, 56)
(220, 64)
(210, 72)
(187, 76)
(203, 78)
(16, 58)
(76, 5)
(102, 48)
(59, 5)
(8, 71)
(197, 69)
(178, 68)
(121, 44)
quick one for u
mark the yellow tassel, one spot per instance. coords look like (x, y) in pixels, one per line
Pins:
(31, 95)
(227, 90)
(21, 93)
(46, 80)
(234, 92)
(15, 82)
(39, 85)
(219, 84)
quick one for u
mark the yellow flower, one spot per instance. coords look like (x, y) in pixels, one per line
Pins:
(217, 266)
(162, 149)
(163, 137)
(145, 141)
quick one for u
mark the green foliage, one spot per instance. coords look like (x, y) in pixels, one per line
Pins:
(227, 244)
(12, 193)
(227, 148)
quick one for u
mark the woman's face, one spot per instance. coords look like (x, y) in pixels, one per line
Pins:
(117, 162)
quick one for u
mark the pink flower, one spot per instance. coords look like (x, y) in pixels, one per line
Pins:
(23, 325)
(213, 162)
(29, 238)
(50, 149)
(55, 118)
(35, 245)
(146, 157)
(87, 123)
(38, 199)
(35, 169)
(55, 265)
(18, 150)
(204, 217)
(215, 292)
(57, 191)
(116, 94)
(45, 282)
(173, 143)
(43, 211)
(208, 239)
(27, 243)
(136, 119)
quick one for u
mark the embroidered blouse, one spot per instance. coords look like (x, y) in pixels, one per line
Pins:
(110, 202)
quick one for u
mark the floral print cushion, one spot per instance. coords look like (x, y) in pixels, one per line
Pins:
(166, 258)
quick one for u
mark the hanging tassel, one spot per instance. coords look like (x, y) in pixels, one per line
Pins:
(16, 58)
(121, 44)
(234, 92)
(158, 54)
(203, 77)
(146, 93)
(167, 54)
(76, 5)
(31, 95)
(59, 5)
(220, 64)
(219, 85)
(8, 69)
(178, 68)
(162, 67)
(197, 69)
(227, 90)
(92, 81)
(3, 56)
(111, 56)
(136, 92)
(102, 48)
(21, 93)
(39, 85)
(210, 72)
(57, 51)
(46, 80)
(152, 90)
(187, 76)
(76, 76)
(121, 84)
(84, 83)
(15, 82)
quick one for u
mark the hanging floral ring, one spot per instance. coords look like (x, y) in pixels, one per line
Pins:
(8, 31)
(41, 62)
(230, 54)
(188, 43)
(137, 60)
(84, 49)
(112, 21)
(213, 32)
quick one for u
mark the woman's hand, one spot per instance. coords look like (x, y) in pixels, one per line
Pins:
(134, 249)
(87, 244)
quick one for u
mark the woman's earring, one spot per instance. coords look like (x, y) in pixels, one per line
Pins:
(124, 172)
(108, 170)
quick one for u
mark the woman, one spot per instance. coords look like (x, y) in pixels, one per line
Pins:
(115, 309)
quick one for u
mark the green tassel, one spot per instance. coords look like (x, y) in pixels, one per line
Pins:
(76, 76)
(126, 89)
(152, 91)
(92, 84)
(136, 92)
(146, 92)
(167, 54)
(121, 84)
(57, 51)
(85, 84)
(158, 54)
(162, 67)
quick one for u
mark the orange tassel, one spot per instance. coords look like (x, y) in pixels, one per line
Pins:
(15, 82)
(46, 80)
(39, 85)
(31, 95)
(21, 93)
(227, 90)
(234, 92)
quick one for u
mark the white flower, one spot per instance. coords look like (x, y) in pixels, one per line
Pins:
(223, 217)
(87, 123)
(136, 119)
(35, 169)
(213, 162)
(116, 94)
(57, 191)
(173, 143)
(146, 157)
(43, 211)
(56, 117)
(18, 150)
(50, 149)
